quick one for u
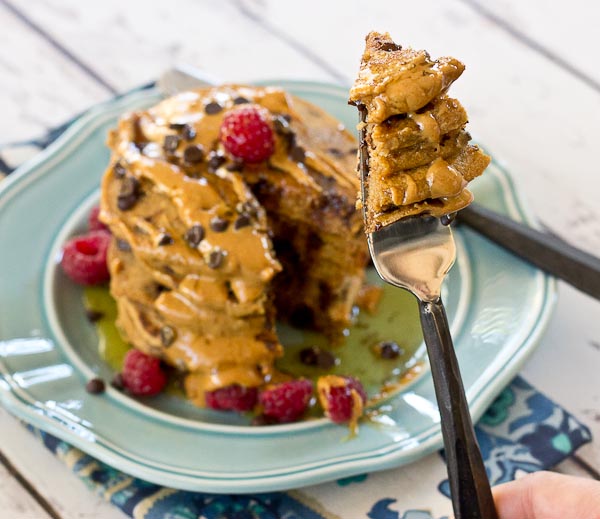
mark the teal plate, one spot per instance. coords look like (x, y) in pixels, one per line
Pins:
(498, 307)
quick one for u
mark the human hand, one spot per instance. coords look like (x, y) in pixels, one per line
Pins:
(547, 495)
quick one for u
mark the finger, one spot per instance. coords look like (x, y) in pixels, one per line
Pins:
(546, 495)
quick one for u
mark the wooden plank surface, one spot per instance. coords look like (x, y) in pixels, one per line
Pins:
(531, 111)
(65, 494)
(15, 501)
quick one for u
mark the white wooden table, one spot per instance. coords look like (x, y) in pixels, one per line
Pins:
(532, 89)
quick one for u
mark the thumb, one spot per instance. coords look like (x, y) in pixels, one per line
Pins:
(546, 495)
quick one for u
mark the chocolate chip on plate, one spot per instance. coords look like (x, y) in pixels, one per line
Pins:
(129, 193)
(117, 382)
(240, 100)
(242, 220)
(95, 386)
(165, 239)
(215, 259)
(315, 356)
(118, 169)
(213, 108)
(219, 224)
(194, 235)
(93, 315)
(167, 336)
(388, 350)
(171, 143)
(193, 154)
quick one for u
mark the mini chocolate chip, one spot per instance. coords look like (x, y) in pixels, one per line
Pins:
(171, 143)
(215, 161)
(242, 220)
(194, 235)
(262, 420)
(165, 239)
(129, 193)
(188, 132)
(123, 245)
(282, 126)
(287, 117)
(117, 382)
(315, 356)
(389, 46)
(297, 154)
(93, 315)
(236, 165)
(335, 151)
(118, 169)
(215, 259)
(389, 350)
(219, 224)
(193, 154)
(447, 219)
(213, 108)
(240, 101)
(95, 386)
(167, 336)
(177, 126)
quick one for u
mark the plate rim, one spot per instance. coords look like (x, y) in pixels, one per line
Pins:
(479, 398)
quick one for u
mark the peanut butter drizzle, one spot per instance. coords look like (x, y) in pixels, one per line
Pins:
(420, 160)
(222, 317)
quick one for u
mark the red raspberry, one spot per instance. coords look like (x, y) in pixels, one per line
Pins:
(288, 401)
(342, 398)
(142, 374)
(246, 133)
(93, 223)
(84, 258)
(232, 398)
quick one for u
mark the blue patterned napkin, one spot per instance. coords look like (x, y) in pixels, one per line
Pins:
(522, 431)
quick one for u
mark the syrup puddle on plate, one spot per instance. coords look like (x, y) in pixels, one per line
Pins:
(396, 320)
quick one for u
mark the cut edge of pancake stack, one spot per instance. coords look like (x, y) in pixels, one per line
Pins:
(208, 250)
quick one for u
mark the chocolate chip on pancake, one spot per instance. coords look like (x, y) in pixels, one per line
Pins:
(129, 193)
(165, 239)
(167, 336)
(215, 259)
(213, 108)
(188, 132)
(219, 224)
(282, 126)
(215, 161)
(236, 165)
(119, 170)
(240, 101)
(123, 245)
(194, 235)
(171, 142)
(242, 221)
(297, 154)
(193, 154)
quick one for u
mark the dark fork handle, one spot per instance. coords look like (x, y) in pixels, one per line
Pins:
(551, 254)
(469, 484)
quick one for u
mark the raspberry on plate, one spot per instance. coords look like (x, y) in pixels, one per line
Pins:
(342, 398)
(288, 401)
(246, 133)
(94, 224)
(232, 398)
(84, 258)
(142, 374)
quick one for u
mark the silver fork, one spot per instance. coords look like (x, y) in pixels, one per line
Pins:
(416, 253)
